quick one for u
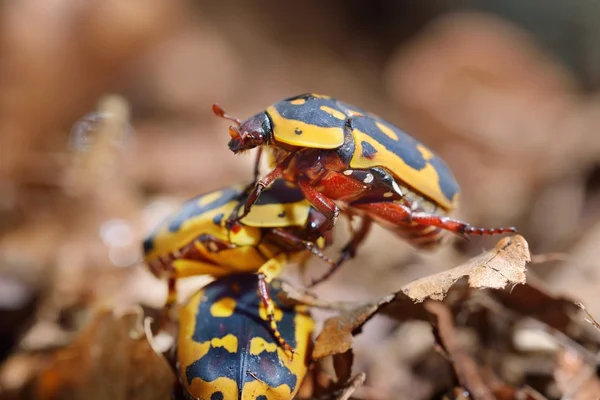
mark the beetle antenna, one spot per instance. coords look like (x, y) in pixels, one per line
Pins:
(221, 113)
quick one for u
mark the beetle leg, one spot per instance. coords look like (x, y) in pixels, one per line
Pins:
(396, 213)
(349, 250)
(247, 190)
(323, 204)
(266, 273)
(456, 226)
(296, 241)
(257, 164)
(259, 187)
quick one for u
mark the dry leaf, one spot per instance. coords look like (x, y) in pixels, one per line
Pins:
(336, 335)
(111, 359)
(502, 266)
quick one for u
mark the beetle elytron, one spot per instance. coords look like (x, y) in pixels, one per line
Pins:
(225, 352)
(195, 241)
(334, 151)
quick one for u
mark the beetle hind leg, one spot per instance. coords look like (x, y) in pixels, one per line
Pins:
(456, 226)
(266, 273)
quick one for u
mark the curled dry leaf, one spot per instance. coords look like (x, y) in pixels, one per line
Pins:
(336, 336)
(112, 359)
(496, 269)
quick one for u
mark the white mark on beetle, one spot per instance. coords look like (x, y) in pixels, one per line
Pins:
(397, 188)
(348, 172)
(369, 178)
(388, 194)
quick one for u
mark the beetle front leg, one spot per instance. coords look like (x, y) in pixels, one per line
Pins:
(266, 273)
(323, 204)
(259, 187)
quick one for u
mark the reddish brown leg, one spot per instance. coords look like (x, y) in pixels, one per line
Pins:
(259, 187)
(257, 164)
(263, 291)
(296, 241)
(349, 250)
(398, 213)
(322, 203)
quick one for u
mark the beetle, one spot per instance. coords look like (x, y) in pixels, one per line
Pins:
(282, 227)
(226, 351)
(337, 153)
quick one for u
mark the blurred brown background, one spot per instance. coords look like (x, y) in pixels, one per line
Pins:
(504, 90)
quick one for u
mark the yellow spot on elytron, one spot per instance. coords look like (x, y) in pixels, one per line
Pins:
(313, 136)
(278, 215)
(355, 113)
(258, 345)
(262, 311)
(334, 113)
(253, 389)
(223, 308)
(320, 96)
(425, 180)
(200, 389)
(425, 152)
(228, 342)
(298, 102)
(209, 198)
(386, 129)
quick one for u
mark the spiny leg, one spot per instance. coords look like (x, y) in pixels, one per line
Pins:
(323, 204)
(266, 273)
(456, 226)
(398, 213)
(259, 187)
(259, 151)
(246, 192)
(294, 240)
(349, 250)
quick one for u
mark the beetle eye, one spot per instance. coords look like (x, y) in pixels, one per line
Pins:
(234, 133)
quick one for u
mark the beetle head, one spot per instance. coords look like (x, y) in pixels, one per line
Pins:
(253, 132)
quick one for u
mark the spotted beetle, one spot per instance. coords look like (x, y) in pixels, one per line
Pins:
(225, 351)
(336, 152)
(282, 227)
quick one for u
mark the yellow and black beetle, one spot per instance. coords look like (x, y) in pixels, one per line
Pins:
(225, 351)
(282, 227)
(334, 151)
